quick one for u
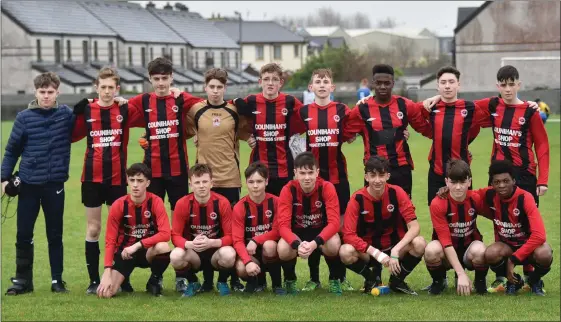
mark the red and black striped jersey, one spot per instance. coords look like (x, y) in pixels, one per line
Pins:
(107, 133)
(326, 131)
(254, 221)
(454, 223)
(454, 126)
(314, 211)
(380, 223)
(382, 126)
(129, 223)
(190, 219)
(517, 130)
(164, 121)
(273, 124)
(517, 220)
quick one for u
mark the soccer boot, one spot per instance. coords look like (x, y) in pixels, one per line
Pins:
(58, 286)
(290, 287)
(279, 291)
(311, 286)
(251, 286)
(154, 286)
(346, 286)
(180, 284)
(223, 288)
(427, 288)
(437, 287)
(497, 286)
(191, 289)
(480, 287)
(126, 286)
(237, 286)
(92, 289)
(400, 286)
(368, 286)
(335, 287)
(206, 287)
(537, 288)
(512, 288)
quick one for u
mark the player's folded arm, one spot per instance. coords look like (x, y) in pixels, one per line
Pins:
(537, 232)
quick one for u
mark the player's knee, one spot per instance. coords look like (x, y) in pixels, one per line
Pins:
(494, 253)
(433, 251)
(543, 255)
(227, 257)
(176, 258)
(270, 249)
(161, 248)
(346, 253)
(477, 252)
(240, 269)
(93, 230)
(284, 250)
(332, 246)
(418, 246)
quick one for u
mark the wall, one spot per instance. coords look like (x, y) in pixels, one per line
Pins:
(287, 61)
(17, 54)
(511, 28)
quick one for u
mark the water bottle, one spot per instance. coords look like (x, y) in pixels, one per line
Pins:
(380, 290)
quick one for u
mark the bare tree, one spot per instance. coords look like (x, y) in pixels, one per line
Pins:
(360, 20)
(388, 22)
(403, 48)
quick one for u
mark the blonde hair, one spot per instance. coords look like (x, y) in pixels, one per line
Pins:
(108, 72)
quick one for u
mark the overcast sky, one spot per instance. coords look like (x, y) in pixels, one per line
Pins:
(438, 16)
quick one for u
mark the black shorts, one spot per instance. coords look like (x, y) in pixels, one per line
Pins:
(206, 259)
(125, 267)
(275, 186)
(175, 187)
(344, 194)
(400, 176)
(96, 194)
(232, 194)
(525, 181)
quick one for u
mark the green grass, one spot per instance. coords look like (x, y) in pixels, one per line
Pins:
(43, 305)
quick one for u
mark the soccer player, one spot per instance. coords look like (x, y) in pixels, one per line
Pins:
(456, 241)
(382, 121)
(201, 232)
(106, 125)
(137, 235)
(544, 109)
(309, 219)
(325, 124)
(520, 236)
(379, 222)
(254, 236)
(272, 114)
(218, 128)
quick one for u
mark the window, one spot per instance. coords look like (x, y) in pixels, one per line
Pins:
(57, 51)
(85, 52)
(143, 56)
(209, 59)
(21, 92)
(151, 53)
(237, 60)
(134, 89)
(277, 53)
(259, 52)
(110, 51)
(38, 49)
(227, 59)
(68, 51)
(163, 51)
(182, 53)
(96, 57)
(222, 59)
(296, 50)
(171, 55)
(82, 90)
(196, 59)
(130, 56)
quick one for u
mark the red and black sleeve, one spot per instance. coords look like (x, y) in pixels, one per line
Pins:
(541, 144)
(112, 232)
(238, 232)
(537, 231)
(226, 222)
(178, 222)
(350, 235)
(333, 216)
(285, 216)
(439, 222)
(163, 235)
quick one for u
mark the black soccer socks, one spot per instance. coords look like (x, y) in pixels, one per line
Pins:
(92, 260)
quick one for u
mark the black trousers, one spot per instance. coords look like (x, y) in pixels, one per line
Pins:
(50, 197)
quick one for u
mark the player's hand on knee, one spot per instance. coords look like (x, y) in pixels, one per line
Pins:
(251, 141)
(541, 190)
(464, 285)
(201, 243)
(251, 247)
(252, 269)
(394, 266)
(443, 192)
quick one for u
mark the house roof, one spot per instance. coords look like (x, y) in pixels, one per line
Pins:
(125, 75)
(198, 32)
(66, 75)
(335, 42)
(46, 17)
(358, 32)
(466, 16)
(196, 77)
(412, 33)
(132, 22)
(321, 31)
(259, 32)
(92, 71)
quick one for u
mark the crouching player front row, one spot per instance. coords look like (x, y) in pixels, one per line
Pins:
(201, 232)
(380, 228)
(137, 235)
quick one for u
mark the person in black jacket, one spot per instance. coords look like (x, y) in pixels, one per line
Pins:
(41, 137)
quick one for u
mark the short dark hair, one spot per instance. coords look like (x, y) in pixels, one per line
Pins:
(506, 73)
(450, 70)
(377, 164)
(160, 65)
(305, 160)
(216, 73)
(322, 73)
(500, 167)
(272, 68)
(139, 168)
(46, 79)
(382, 69)
(199, 169)
(458, 170)
(258, 167)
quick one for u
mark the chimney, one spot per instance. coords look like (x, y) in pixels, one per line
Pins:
(168, 7)
(181, 7)
(150, 5)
